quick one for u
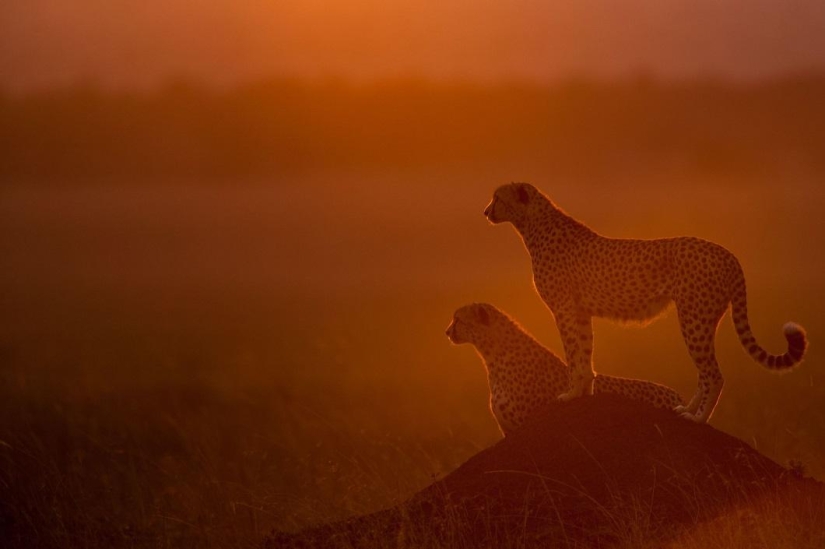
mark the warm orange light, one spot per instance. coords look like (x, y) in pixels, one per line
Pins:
(223, 41)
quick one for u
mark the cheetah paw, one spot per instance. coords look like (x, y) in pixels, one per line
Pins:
(566, 397)
(692, 417)
(681, 409)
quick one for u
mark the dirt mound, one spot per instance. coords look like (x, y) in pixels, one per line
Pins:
(595, 472)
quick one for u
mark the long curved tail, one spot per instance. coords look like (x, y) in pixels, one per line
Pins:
(794, 333)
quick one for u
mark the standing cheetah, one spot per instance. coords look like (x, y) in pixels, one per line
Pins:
(524, 375)
(580, 275)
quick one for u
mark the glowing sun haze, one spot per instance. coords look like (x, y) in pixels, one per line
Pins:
(44, 42)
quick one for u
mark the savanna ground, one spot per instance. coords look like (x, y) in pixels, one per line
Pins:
(223, 314)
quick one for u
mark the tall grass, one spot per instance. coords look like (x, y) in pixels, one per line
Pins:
(173, 463)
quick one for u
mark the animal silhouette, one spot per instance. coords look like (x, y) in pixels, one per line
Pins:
(581, 275)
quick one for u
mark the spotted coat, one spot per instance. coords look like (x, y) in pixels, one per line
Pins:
(524, 375)
(581, 275)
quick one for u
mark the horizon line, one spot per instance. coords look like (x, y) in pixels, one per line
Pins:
(594, 79)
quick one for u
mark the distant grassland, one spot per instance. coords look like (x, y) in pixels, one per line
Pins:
(291, 127)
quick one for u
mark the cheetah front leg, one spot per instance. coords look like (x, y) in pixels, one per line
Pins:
(576, 330)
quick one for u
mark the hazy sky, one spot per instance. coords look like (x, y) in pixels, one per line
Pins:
(126, 42)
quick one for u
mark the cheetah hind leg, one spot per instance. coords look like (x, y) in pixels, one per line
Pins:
(713, 384)
(689, 411)
(699, 331)
(690, 408)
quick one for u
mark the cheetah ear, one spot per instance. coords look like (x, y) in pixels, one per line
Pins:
(523, 197)
(483, 316)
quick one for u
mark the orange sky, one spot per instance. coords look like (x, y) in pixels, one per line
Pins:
(128, 42)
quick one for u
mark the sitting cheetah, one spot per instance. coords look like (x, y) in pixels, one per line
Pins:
(580, 275)
(524, 375)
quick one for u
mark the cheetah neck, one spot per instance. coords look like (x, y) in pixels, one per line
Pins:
(489, 351)
(550, 224)
(514, 350)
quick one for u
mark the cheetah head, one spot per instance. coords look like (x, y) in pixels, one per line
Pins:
(511, 203)
(472, 322)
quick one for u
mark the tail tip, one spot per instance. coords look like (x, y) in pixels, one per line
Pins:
(793, 329)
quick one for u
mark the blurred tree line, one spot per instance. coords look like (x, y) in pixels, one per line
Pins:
(289, 127)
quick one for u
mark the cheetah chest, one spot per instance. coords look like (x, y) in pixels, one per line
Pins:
(503, 405)
(551, 279)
